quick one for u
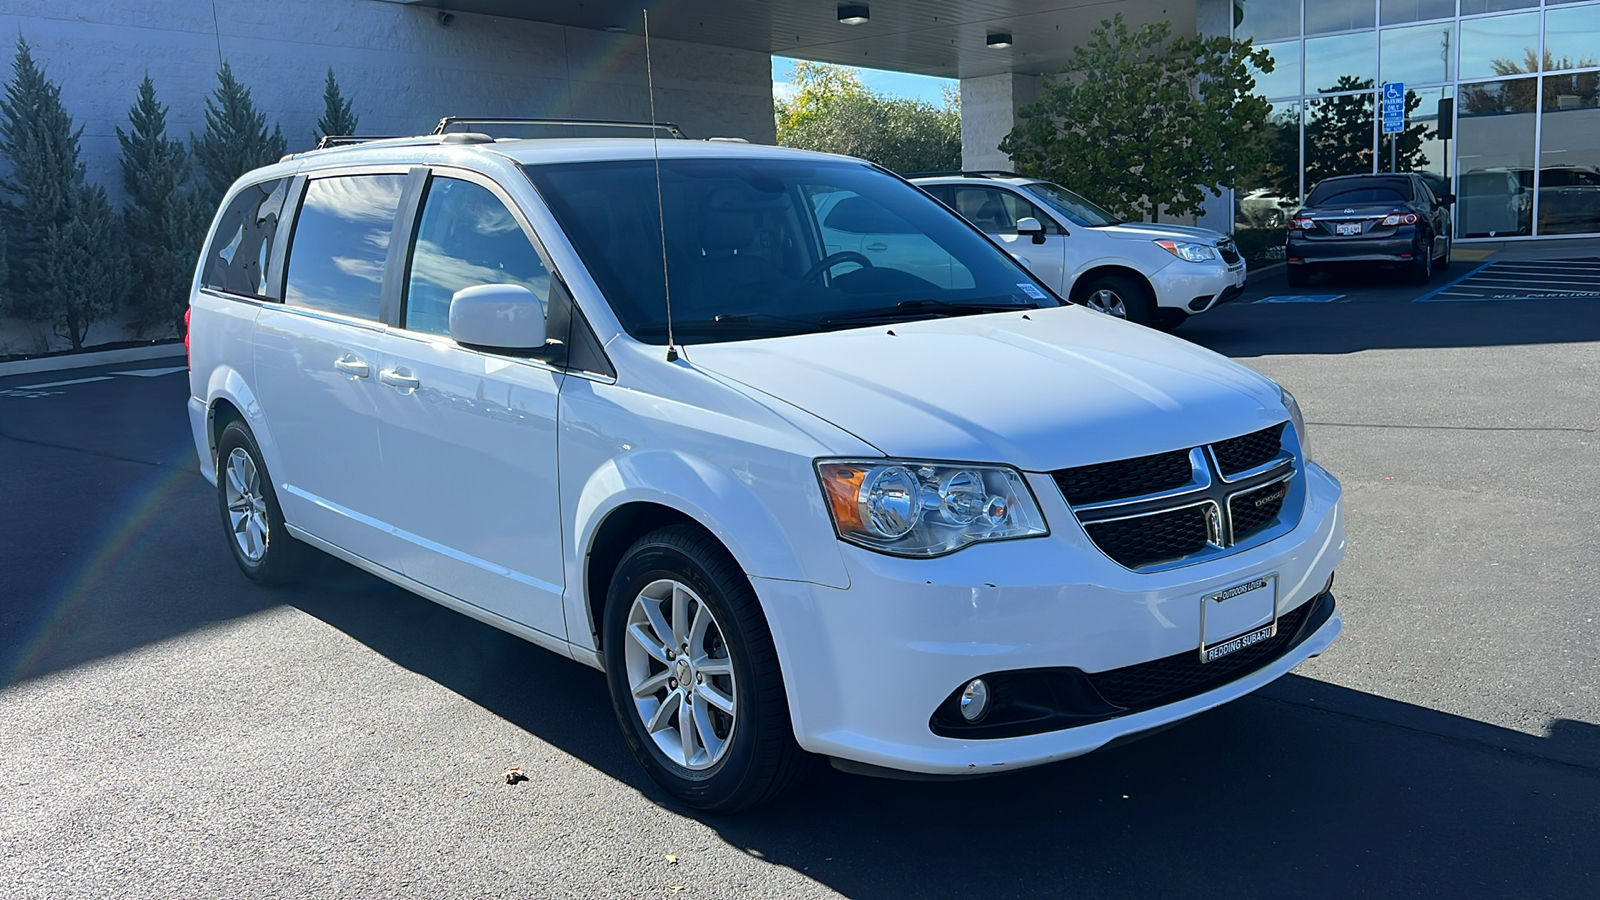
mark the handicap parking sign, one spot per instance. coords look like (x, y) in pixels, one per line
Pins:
(1394, 107)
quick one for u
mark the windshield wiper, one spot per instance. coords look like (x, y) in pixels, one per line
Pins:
(926, 307)
(761, 319)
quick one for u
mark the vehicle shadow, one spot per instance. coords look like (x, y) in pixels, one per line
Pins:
(1247, 329)
(1304, 790)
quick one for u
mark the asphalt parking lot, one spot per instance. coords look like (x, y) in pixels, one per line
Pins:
(169, 729)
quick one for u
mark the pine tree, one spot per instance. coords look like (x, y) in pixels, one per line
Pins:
(235, 139)
(337, 117)
(163, 219)
(67, 263)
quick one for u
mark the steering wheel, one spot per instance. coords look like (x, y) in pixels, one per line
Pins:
(831, 260)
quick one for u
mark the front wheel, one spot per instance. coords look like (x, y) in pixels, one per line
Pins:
(1120, 297)
(694, 675)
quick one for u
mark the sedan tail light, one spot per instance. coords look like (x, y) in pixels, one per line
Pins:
(1401, 219)
(1303, 223)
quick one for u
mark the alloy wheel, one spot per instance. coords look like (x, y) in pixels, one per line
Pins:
(247, 505)
(679, 674)
(1108, 302)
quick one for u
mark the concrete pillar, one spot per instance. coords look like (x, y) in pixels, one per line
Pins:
(1214, 18)
(989, 105)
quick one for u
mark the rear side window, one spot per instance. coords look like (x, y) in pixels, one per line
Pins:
(236, 261)
(341, 244)
(467, 237)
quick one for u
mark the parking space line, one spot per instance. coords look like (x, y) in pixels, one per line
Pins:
(52, 384)
(1432, 294)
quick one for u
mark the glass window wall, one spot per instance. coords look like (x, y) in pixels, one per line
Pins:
(1418, 148)
(1340, 134)
(1419, 54)
(1475, 7)
(1501, 45)
(1342, 62)
(1323, 16)
(1266, 20)
(1494, 150)
(1569, 158)
(1395, 12)
(1284, 79)
(1572, 38)
(1267, 196)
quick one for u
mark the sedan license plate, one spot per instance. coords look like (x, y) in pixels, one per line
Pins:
(1238, 617)
(1347, 228)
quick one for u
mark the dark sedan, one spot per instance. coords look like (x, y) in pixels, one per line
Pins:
(1392, 220)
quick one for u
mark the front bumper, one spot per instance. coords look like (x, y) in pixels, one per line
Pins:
(867, 667)
(1197, 287)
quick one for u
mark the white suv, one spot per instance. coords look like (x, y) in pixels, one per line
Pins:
(1156, 275)
(929, 521)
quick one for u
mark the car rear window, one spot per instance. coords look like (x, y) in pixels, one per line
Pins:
(236, 262)
(1351, 193)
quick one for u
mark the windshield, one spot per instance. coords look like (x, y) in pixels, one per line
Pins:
(762, 247)
(1074, 207)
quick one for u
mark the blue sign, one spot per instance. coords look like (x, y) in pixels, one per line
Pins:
(1394, 107)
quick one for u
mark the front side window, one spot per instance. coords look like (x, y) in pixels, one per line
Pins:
(771, 246)
(466, 237)
(341, 244)
(236, 261)
(996, 211)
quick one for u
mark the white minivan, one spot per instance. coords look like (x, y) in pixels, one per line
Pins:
(1154, 274)
(794, 502)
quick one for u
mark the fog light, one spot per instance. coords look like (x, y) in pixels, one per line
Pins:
(975, 700)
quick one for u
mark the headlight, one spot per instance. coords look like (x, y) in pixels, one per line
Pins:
(1299, 420)
(1187, 251)
(911, 508)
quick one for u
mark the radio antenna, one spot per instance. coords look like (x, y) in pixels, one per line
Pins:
(661, 208)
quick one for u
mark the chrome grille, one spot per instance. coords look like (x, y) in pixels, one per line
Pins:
(1170, 509)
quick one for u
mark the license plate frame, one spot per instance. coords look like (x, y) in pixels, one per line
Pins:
(1347, 229)
(1221, 633)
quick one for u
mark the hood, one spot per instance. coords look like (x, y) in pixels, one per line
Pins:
(1041, 390)
(1147, 231)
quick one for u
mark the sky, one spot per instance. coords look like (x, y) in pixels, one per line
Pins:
(894, 84)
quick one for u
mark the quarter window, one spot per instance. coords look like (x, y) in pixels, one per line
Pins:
(466, 237)
(236, 261)
(341, 244)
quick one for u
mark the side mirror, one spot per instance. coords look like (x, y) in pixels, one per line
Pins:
(1030, 225)
(499, 318)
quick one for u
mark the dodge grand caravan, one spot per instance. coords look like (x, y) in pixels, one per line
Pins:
(793, 501)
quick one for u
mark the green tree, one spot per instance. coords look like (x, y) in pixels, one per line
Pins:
(235, 139)
(337, 114)
(163, 220)
(67, 263)
(1143, 123)
(833, 112)
(1339, 131)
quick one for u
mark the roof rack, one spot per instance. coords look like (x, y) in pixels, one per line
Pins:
(346, 140)
(979, 173)
(449, 122)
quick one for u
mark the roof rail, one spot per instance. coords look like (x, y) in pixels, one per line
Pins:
(346, 140)
(449, 122)
(979, 173)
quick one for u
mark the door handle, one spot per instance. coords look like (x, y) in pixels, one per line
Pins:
(353, 367)
(400, 379)
(878, 247)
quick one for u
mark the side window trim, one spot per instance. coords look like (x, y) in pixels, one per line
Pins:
(1051, 226)
(397, 266)
(278, 263)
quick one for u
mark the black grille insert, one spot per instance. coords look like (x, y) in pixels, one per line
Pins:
(1255, 449)
(1125, 477)
(1257, 509)
(1151, 539)
(1229, 253)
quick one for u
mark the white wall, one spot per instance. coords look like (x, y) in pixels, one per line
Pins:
(989, 105)
(401, 67)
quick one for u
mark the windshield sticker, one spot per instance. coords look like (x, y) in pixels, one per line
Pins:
(1032, 291)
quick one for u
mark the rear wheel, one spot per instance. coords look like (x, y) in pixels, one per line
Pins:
(251, 517)
(1444, 261)
(1120, 296)
(694, 675)
(1422, 266)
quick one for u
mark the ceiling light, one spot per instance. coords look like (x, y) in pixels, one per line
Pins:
(854, 14)
(1000, 40)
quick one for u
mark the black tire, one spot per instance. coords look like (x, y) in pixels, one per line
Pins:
(761, 760)
(1421, 268)
(1298, 276)
(1443, 262)
(282, 559)
(1133, 297)
(1169, 319)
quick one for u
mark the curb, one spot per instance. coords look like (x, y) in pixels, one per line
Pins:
(91, 358)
